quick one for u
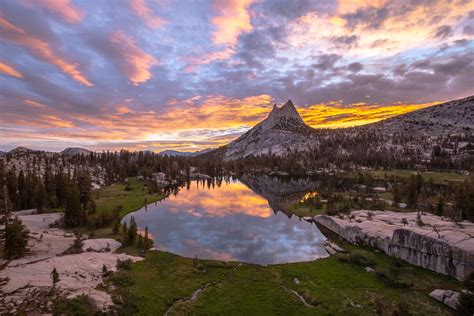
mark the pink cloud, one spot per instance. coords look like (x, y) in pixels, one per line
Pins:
(9, 70)
(232, 19)
(63, 8)
(41, 49)
(141, 9)
(136, 63)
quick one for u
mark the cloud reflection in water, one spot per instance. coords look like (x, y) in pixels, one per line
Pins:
(229, 222)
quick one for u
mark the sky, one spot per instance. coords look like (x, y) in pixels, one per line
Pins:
(188, 75)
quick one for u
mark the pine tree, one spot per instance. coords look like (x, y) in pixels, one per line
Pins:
(61, 188)
(16, 239)
(116, 227)
(440, 206)
(132, 231)
(147, 242)
(54, 277)
(41, 198)
(85, 188)
(22, 192)
(125, 238)
(73, 216)
(397, 196)
(412, 191)
(11, 182)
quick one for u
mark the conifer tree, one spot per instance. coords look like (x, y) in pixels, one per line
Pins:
(41, 198)
(125, 238)
(16, 239)
(132, 231)
(73, 215)
(54, 277)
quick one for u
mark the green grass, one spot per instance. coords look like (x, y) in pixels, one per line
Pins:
(109, 197)
(302, 210)
(331, 286)
(438, 177)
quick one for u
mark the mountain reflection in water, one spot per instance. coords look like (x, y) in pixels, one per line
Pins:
(231, 222)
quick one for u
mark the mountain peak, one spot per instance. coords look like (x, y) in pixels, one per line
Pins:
(287, 111)
(282, 131)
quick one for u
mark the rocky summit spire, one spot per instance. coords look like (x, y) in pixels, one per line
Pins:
(287, 111)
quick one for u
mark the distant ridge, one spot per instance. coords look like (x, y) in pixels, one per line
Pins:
(19, 151)
(184, 153)
(453, 117)
(72, 151)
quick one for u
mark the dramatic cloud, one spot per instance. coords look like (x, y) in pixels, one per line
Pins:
(131, 59)
(149, 74)
(9, 70)
(141, 8)
(41, 49)
(231, 20)
(63, 8)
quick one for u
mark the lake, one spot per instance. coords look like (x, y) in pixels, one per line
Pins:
(230, 221)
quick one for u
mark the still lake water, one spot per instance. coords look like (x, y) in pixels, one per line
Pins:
(228, 222)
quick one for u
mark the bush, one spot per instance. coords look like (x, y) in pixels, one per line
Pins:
(124, 264)
(357, 257)
(76, 247)
(121, 280)
(391, 280)
(81, 305)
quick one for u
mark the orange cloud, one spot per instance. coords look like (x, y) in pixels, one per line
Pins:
(188, 125)
(9, 70)
(64, 8)
(35, 104)
(228, 200)
(337, 116)
(351, 6)
(232, 20)
(137, 63)
(408, 26)
(141, 9)
(41, 49)
(55, 121)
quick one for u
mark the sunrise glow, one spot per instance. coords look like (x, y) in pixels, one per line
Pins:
(143, 78)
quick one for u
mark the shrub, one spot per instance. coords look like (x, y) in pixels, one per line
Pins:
(357, 257)
(121, 280)
(81, 305)
(391, 280)
(125, 264)
(76, 247)
(370, 215)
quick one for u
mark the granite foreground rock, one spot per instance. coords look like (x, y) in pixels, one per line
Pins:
(430, 241)
(447, 297)
(25, 283)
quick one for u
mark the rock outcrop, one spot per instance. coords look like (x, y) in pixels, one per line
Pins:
(447, 297)
(25, 283)
(429, 241)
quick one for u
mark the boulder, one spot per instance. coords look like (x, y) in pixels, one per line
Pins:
(447, 297)
(101, 245)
